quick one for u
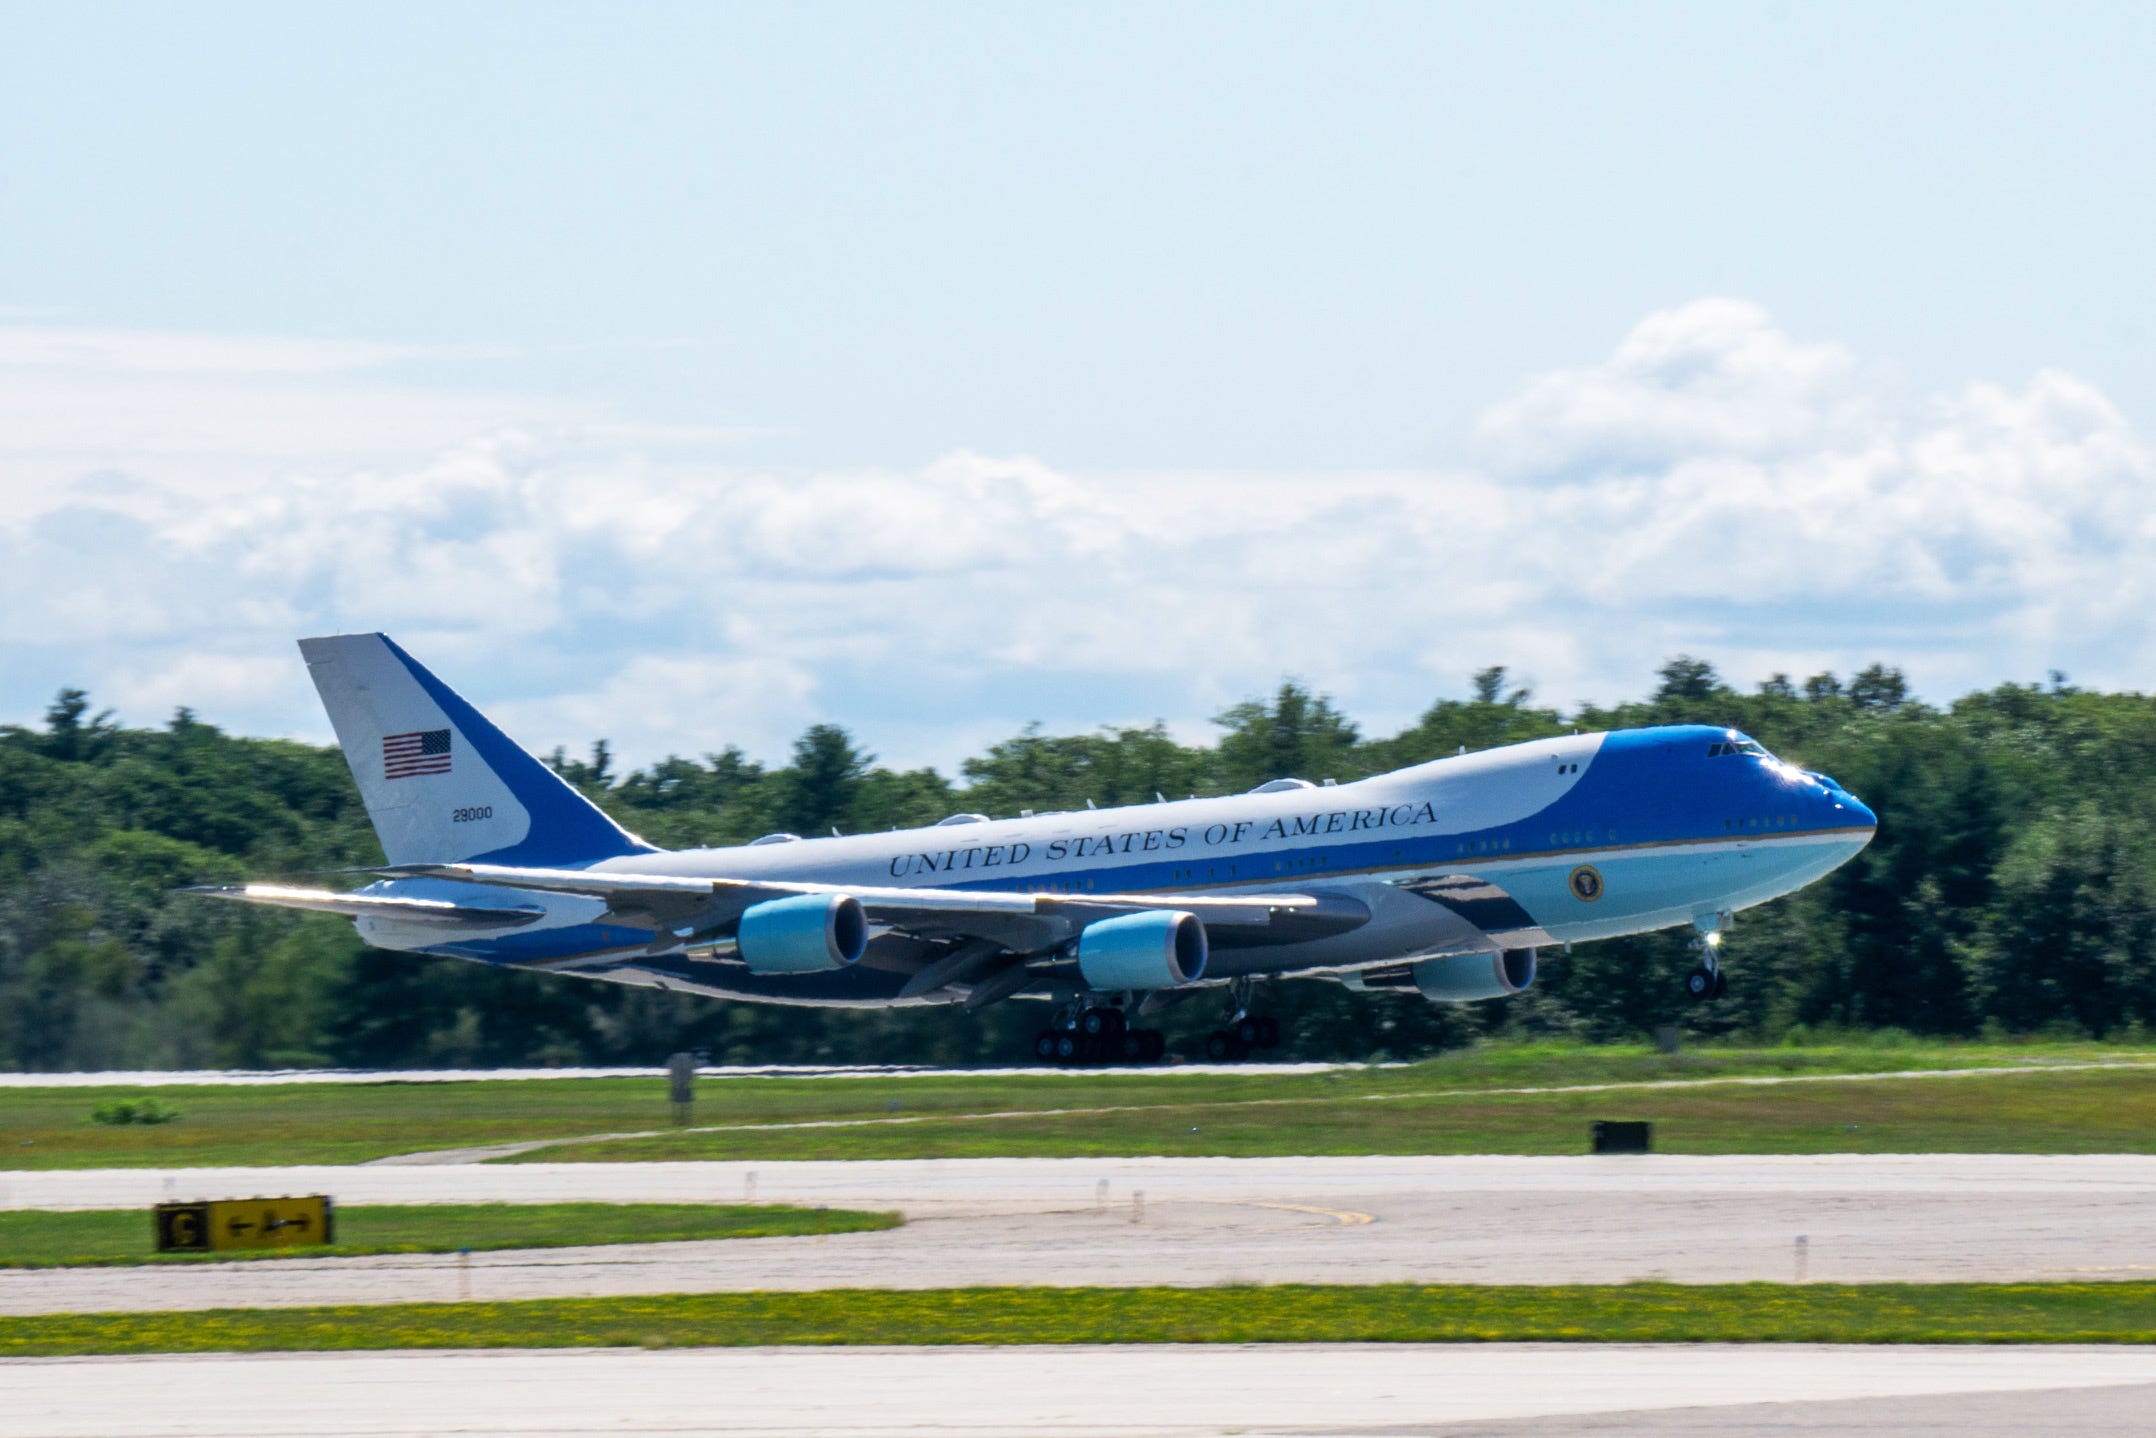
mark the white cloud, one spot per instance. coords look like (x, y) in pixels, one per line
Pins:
(1712, 377)
(109, 351)
(217, 682)
(656, 704)
(1714, 486)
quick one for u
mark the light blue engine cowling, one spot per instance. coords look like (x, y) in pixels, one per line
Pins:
(807, 934)
(1159, 950)
(1465, 978)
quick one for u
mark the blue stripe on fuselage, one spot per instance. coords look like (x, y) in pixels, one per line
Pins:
(1642, 790)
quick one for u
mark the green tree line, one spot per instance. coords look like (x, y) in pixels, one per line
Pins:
(2011, 888)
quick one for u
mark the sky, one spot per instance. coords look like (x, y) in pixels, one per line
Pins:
(690, 374)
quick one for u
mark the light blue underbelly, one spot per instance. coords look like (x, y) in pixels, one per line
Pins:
(1644, 889)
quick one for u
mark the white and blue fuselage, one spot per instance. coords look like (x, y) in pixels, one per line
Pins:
(1586, 837)
(1445, 877)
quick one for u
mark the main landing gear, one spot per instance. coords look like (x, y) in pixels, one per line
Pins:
(1098, 1036)
(1244, 1032)
(1086, 1032)
(1707, 981)
(1241, 1037)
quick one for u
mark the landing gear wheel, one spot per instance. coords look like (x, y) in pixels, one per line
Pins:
(1223, 1047)
(1044, 1046)
(1702, 982)
(1250, 1033)
(1101, 1023)
(1068, 1048)
(1156, 1046)
(1132, 1046)
(1721, 983)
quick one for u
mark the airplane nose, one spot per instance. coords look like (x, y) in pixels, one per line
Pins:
(1837, 807)
(1844, 810)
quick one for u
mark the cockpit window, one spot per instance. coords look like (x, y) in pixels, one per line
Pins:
(1737, 746)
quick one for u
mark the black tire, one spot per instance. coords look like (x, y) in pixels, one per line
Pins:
(1249, 1033)
(1044, 1046)
(1721, 983)
(1223, 1047)
(1268, 1032)
(1699, 984)
(1093, 1023)
(1156, 1045)
(1134, 1046)
(1068, 1048)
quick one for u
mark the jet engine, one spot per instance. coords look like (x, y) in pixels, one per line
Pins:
(806, 934)
(1465, 978)
(1160, 950)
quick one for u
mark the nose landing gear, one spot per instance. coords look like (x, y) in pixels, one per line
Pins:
(1707, 981)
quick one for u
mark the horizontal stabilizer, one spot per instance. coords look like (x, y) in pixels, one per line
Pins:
(372, 906)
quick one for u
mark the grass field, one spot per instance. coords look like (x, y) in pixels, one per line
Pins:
(1639, 1313)
(2085, 1112)
(39, 1239)
(1452, 1104)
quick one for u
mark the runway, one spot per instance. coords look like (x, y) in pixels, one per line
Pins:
(1355, 1391)
(1916, 1218)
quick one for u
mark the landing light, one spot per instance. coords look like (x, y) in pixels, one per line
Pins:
(1714, 940)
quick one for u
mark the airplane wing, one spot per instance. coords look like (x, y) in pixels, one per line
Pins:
(363, 906)
(992, 943)
(1019, 922)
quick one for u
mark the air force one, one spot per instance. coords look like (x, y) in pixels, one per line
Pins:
(1443, 879)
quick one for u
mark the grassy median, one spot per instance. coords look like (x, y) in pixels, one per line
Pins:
(2111, 1111)
(1402, 1313)
(32, 1238)
(1451, 1104)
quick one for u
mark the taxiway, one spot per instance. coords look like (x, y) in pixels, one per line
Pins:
(1353, 1391)
(1861, 1218)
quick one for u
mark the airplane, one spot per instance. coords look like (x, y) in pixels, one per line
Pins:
(1443, 879)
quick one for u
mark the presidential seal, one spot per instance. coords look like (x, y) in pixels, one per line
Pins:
(1586, 883)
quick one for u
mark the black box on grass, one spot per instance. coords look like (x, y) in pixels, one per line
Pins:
(1623, 1136)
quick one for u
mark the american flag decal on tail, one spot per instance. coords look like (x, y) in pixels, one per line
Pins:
(405, 756)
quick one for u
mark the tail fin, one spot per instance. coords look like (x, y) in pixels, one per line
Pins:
(442, 784)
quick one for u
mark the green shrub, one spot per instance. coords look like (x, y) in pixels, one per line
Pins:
(133, 1110)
